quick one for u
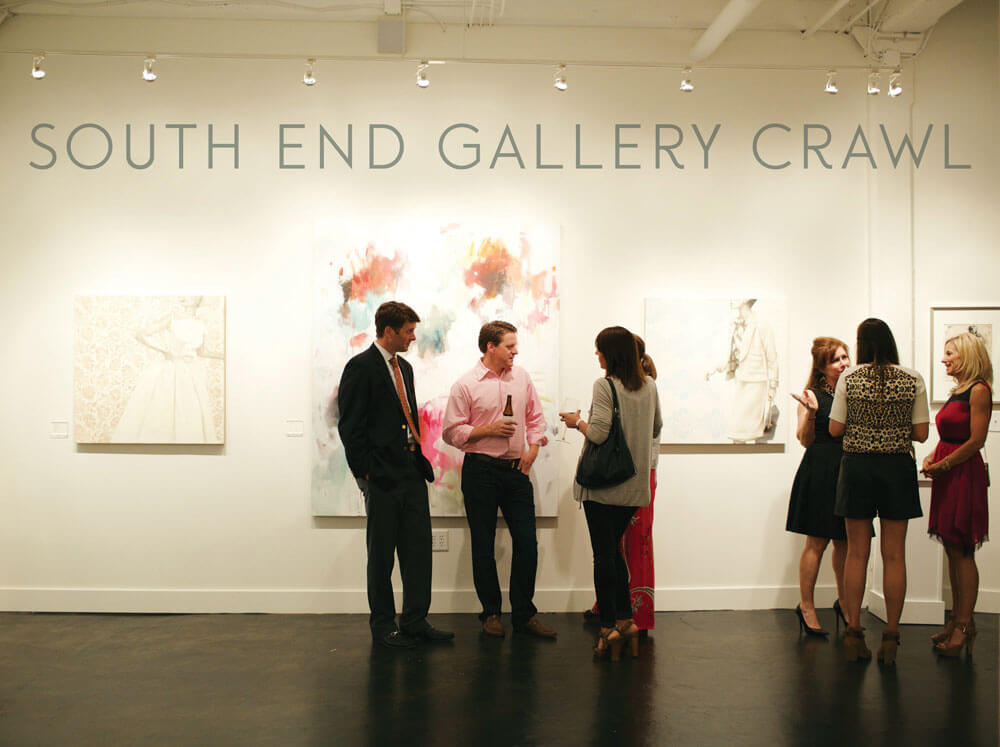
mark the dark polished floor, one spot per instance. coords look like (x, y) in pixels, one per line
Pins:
(705, 678)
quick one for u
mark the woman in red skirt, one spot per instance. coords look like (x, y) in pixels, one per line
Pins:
(958, 515)
(637, 543)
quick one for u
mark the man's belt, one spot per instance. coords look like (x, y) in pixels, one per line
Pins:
(494, 461)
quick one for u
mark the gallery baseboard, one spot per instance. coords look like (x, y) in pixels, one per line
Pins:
(348, 601)
(915, 611)
(988, 600)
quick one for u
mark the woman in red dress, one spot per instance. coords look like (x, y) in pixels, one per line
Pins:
(958, 515)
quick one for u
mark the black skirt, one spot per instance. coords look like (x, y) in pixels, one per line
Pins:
(883, 485)
(814, 494)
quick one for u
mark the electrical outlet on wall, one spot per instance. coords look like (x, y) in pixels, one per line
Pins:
(439, 540)
(995, 421)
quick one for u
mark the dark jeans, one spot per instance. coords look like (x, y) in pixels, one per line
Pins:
(607, 524)
(399, 521)
(486, 488)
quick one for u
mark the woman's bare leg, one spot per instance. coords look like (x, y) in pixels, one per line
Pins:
(839, 557)
(812, 556)
(893, 544)
(859, 543)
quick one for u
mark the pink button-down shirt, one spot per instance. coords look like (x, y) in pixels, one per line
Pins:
(478, 398)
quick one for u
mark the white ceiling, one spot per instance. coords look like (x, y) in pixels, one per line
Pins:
(781, 15)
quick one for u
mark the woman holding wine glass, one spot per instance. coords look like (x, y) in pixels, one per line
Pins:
(626, 397)
(637, 543)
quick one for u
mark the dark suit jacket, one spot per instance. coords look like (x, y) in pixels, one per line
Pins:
(372, 424)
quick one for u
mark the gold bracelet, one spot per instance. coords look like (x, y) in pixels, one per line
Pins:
(947, 464)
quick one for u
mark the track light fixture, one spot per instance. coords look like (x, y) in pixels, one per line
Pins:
(686, 84)
(895, 86)
(309, 78)
(831, 82)
(147, 70)
(873, 86)
(560, 83)
(36, 66)
(422, 80)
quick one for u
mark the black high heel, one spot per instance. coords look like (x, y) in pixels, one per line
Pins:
(839, 615)
(805, 627)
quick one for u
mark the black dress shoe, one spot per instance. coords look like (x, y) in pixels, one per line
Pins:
(430, 634)
(395, 639)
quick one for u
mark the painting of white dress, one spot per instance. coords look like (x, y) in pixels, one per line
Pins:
(719, 362)
(149, 369)
(456, 277)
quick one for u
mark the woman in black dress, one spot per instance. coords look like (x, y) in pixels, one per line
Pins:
(814, 492)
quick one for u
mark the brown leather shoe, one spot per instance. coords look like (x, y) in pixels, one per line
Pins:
(536, 628)
(492, 626)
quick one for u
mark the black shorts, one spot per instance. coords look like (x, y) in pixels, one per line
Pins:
(883, 485)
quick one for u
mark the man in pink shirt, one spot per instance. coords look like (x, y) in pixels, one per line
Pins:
(499, 451)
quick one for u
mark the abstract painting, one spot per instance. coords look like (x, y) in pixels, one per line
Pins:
(720, 363)
(948, 321)
(149, 369)
(456, 277)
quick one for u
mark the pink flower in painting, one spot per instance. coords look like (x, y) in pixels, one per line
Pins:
(442, 457)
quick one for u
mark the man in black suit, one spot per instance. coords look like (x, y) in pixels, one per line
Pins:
(380, 428)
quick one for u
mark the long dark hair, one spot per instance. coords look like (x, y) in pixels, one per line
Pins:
(621, 356)
(876, 345)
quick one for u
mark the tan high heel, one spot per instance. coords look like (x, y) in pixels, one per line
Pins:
(887, 651)
(855, 647)
(953, 650)
(944, 634)
(629, 632)
(609, 642)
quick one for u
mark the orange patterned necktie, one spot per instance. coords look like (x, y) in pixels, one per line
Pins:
(402, 397)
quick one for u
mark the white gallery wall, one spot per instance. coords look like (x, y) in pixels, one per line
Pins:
(230, 528)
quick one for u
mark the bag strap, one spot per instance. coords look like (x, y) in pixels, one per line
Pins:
(614, 394)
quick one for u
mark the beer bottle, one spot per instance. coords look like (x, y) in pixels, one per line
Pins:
(508, 409)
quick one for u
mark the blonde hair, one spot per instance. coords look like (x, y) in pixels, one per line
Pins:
(976, 364)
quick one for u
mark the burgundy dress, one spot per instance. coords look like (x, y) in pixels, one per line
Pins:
(958, 515)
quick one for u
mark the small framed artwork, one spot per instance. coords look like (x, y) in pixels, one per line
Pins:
(948, 321)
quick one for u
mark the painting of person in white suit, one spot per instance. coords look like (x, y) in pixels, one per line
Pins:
(753, 366)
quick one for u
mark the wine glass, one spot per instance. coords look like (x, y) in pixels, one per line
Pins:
(569, 404)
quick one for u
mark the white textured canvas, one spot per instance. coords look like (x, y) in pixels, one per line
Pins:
(149, 369)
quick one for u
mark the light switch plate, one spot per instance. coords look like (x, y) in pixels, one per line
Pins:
(439, 540)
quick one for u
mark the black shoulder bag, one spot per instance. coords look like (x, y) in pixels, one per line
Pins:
(610, 463)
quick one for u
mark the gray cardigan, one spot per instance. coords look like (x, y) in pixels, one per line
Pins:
(641, 422)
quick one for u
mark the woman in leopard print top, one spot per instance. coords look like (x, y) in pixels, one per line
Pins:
(879, 408)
